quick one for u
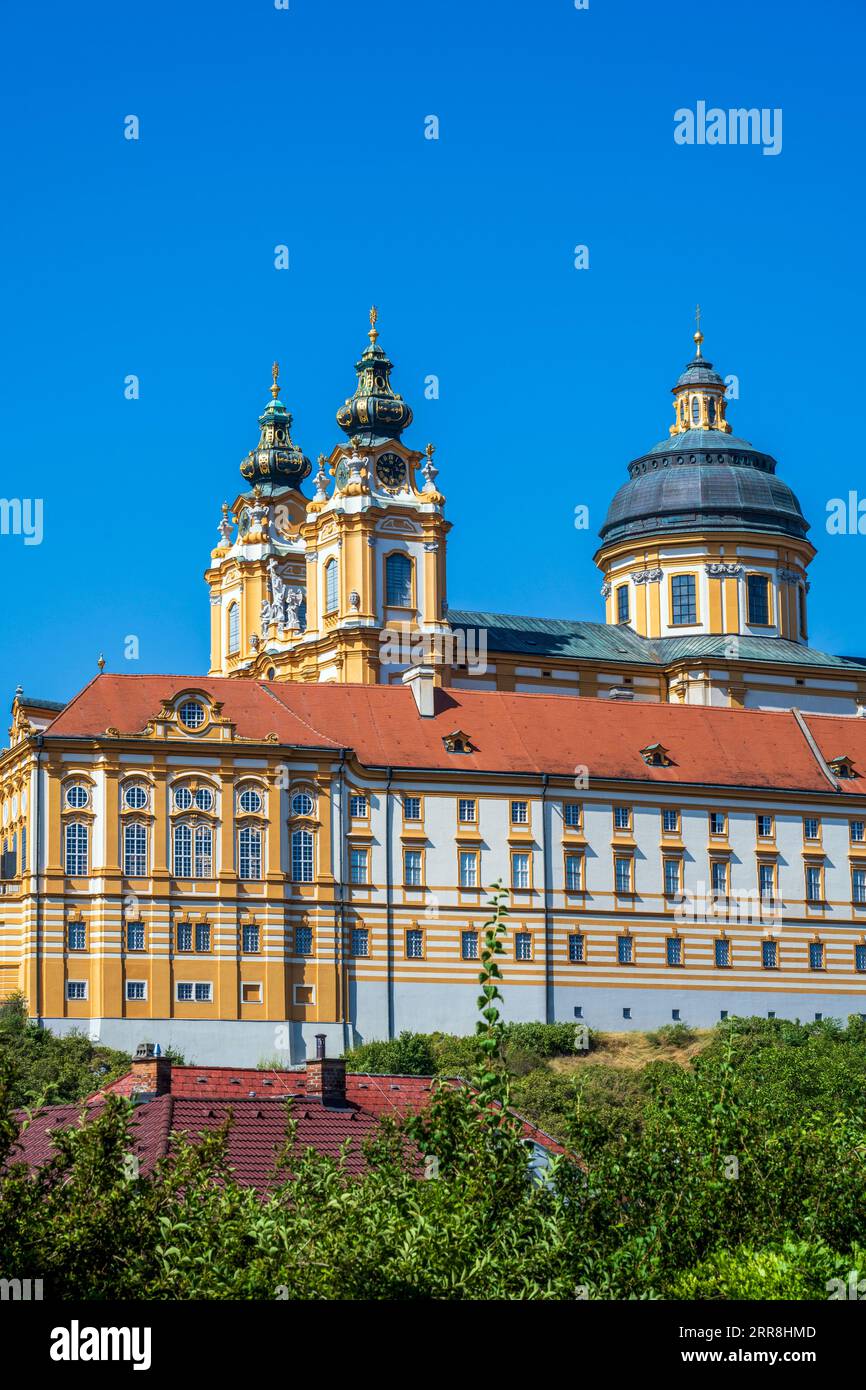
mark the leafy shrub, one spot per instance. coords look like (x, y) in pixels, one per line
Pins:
(408, 1055)
(672, 1035)
(797, 1269)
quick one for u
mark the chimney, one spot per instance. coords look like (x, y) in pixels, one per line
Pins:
(420, 680)
(326, 1076)
(151, 1073)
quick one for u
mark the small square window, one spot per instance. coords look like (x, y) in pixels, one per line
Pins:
(625, 950)
(674, 950)
(466, 810)
(858, 832)
(184, 936)
(77, 936)
(203, 993)
(305, 994)
(469, 945)
(136, 990)
(670, 822)
(415, 944)
(519, 812)
(723, 953)
(76, 989)
(765, 827)
(250, 938)
(360, 941)
(358, 807)
(769, 955)
(303, 941)
(816, 955)
(811, 828)
(723, 1013)
(184, 992)
(717, 823)
(523, 946)
(622, 817)
(572, 814)
(578, 1011)
(411, 808)
(675, 1015)
(251, 993)
(135, 936)
(626, 1013)
(576, 945)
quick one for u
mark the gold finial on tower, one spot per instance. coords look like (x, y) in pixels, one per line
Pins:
(101, 663)
(373, 334)
(699, 337)
(275, 373)
(429, 450)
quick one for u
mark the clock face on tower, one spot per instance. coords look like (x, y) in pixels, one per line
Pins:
(391, 471)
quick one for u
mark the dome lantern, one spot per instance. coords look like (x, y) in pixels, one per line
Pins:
(375, 412)
(276, 460)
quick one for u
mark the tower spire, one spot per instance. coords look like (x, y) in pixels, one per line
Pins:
(375, 412)
(275, 376)
(699, 337)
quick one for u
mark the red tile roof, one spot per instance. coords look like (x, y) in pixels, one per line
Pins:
(512, 733)
(258, 1130)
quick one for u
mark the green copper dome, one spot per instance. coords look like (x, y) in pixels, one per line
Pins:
(275, 459)
(375, 413)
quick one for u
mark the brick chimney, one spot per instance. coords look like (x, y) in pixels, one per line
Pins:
(151, 1074)
(326, 1076)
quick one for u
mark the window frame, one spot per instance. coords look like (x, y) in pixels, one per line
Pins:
(674, 602)
(765, 578)
(526, 854)
(256, 837)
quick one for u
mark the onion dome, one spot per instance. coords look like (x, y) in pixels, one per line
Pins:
(374, 413)
(702, 478)
(275, 459)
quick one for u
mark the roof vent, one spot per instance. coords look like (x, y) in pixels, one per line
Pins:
(618, 692)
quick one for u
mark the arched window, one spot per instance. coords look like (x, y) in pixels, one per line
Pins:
(696, 410)
(234, 629)
(135, 850)
(250, 853)
(76, 849)
(398, 581)
(203, 865)
(331, 576)
(711, 411)
(302, 856)
(801, 602)
(182, 851)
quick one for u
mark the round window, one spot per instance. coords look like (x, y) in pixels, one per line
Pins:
(183, 798)
(204, 798)
(191, 713)
(76, 796)
(250, 800)
(136, 797)
(302, 804)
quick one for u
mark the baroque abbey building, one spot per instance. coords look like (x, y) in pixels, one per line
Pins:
(303, 840)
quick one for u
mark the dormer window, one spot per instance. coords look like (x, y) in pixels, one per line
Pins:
(458, 742)
(655, 755)
(842, 767)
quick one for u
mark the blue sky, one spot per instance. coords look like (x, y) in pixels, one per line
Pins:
(305, 127)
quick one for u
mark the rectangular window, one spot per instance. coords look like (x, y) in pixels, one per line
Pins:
(758, 594)
(684, 608)
(622, 818)
(672, 878)
(624, 951)
(411, 808)
(575, 948)
(250, 939)
(765, 827)
(412, 868)
(203, 864)
(182, 851)
(77, 936)
(358, 807)
(622, 603)
(135, 936)
(622, 871)
(202, 936)
(250, 852)
(766, 881)
(184, 936)
(574, 873)
(670, 822)
(523, 946)
(360, 941)
(76, 849)
(811, 828)
(813, 884)
(303, 941)
(415, 943)
(251, 993)
(302, 856)
(801, 606)
(520, 870)
(469, 945)
(135, 851)
(816, 955)
(466, 810)
(769, 955)
(358, 865)
(858, 885)
(202, 993)
(723, 953)
(719, 877)
(184, 993)
(76, 989)
(468, 869)
(858, 832)
(674, 950)
(136, 991)
(571, 814)
(860, 958)
(519, 812)
(718, 823)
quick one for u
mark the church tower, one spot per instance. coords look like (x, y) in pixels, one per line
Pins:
(705, 538)
(346, 586)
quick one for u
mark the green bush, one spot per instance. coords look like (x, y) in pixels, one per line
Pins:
(672, 1035)
(46, 1068)
(408, 1055)
(797, 1269)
